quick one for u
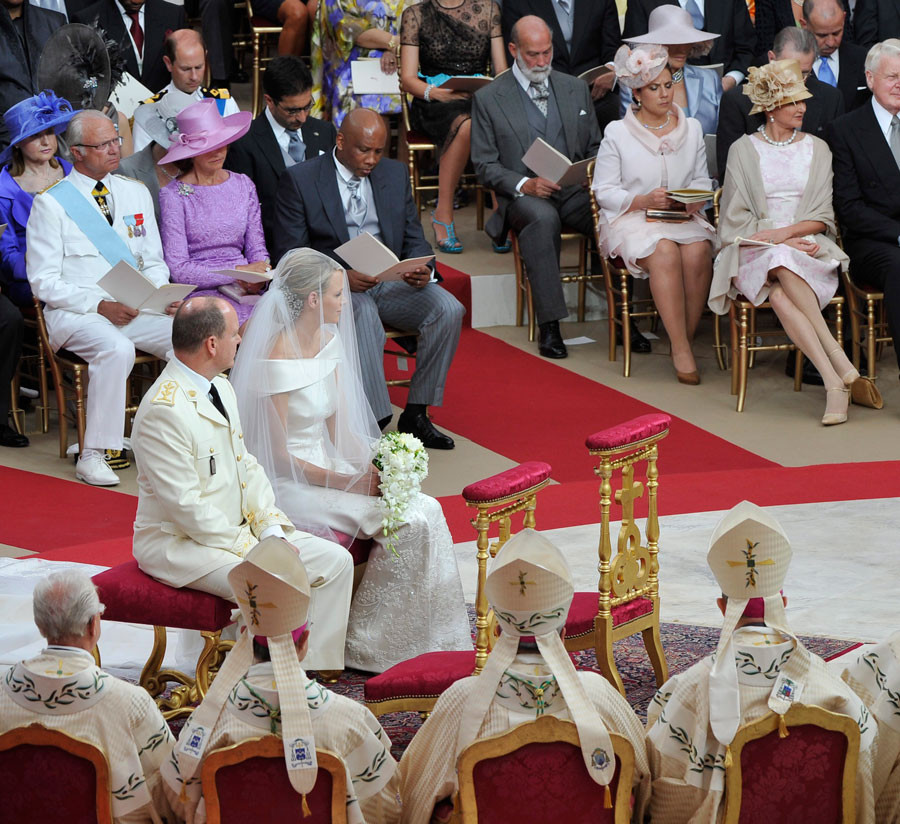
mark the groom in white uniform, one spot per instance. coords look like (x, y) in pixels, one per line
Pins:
(203, 500)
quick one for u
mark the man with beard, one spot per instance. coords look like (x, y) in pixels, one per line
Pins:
(521, 105)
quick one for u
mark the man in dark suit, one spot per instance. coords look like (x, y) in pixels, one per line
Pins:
(866, 148)
(23, 31)
(585, 35)
(876, 20)
(141, 29)
(282, 135)
(324, 201)
(728, 18)
(508, 115)
(825, 105)
(840, 63)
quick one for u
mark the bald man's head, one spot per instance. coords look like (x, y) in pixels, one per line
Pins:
(185, 58)
(205, 335)
(825, 19)
(532, 47)
(360, 141)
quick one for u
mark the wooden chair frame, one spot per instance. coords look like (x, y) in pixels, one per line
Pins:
(270, 746)
(38, 735)
(634, 571)
(796, 716)
(545, 729)
(261, 45)
(33, 354)
(868, 327)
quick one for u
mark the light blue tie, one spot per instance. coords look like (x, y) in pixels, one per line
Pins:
(693, 10)
(826, 75)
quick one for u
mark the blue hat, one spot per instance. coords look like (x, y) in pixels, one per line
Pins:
(32, 116)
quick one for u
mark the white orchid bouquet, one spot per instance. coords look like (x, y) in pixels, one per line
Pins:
(403, 463)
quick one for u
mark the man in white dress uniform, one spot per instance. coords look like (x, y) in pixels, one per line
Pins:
(203, 500)
(263, 690)
(78, 229)
(63, 689)
(530, 588)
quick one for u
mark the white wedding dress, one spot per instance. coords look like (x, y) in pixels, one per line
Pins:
(405, 605)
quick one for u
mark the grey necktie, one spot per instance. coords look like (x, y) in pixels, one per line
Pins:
(539, 94)
(895, 138)
(296, 147)
(564, 5)
(357, 202)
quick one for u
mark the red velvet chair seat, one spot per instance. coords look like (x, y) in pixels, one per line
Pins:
(633, 431)
(424, 676)
(414, 136)
(132, 596)
(584, 610)
(518, 479)
(263, 23)
(359, 548)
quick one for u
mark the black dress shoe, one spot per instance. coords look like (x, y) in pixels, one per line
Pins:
(420, 425)
(811, 376)
(9, 437)
(639, 343)
(550, 342)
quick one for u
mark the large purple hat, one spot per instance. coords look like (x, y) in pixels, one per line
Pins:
(202, 129)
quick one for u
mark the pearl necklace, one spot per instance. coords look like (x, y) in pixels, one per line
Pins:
(765, 136)
(657, 128)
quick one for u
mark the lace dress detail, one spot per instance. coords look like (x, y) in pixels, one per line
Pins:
(785, 172)
(450, 41)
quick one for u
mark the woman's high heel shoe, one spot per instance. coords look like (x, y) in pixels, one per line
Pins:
(690, 378)
(449, 245)
(836, 403)
(863, 391)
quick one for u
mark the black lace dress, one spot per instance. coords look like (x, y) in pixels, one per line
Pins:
(451, 41)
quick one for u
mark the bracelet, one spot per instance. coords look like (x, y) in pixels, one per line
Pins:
(392, 44)
(427, 94)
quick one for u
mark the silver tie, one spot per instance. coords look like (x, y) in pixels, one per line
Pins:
(296, 147)
(358, 206)
(895, 139)
(539, 94)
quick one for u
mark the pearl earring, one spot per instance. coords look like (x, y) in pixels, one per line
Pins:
(771, 119)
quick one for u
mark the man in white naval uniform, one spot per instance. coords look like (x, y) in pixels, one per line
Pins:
(185, 58)
(203, 500)
(63, 689)
(78, 229)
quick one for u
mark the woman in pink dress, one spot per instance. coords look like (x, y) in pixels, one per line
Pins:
(778, 190)
(656, 148)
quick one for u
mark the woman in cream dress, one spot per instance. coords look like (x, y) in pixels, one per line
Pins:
(307, 421)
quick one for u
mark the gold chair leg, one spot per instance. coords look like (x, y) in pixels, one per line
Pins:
(207, 657)
(798, 370)
(735, 359)
(719, 346)
(871, 360)
(44, 388)
(80, 420)
(529, 301)
(744, 358)
(626, 328)
(149, 679)
(606, 663)
(656, 654)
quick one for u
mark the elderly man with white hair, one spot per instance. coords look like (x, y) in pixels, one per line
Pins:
(63, 689)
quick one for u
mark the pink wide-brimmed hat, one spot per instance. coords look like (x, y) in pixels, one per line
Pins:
(202, 129)
(671, 26)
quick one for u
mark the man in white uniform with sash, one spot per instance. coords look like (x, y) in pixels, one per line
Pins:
(759, 665)
(530, 588)
(77, 230)
(263, 690)
(63, 689)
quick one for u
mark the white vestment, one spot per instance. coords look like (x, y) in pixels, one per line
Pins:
(686, 760)
(63, 268)
(339, 724)
(204, 502)
(428, 767)
(875, 678)
(64, 690)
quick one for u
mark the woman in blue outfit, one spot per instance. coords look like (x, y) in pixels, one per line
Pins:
(695, 88)
(29, 165)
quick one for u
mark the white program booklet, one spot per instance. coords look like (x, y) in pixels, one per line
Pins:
(592, 74)
(466, 82)
(368, 78)
(245, 275)
(547, 162)
(691, 195)
(129, 286)
(745, 241)
(368, 255)
(129, 94)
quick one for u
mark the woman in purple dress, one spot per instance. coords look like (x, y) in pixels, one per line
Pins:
(209, 217)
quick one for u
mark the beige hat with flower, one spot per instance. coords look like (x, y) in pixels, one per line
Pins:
(775, 85)
(637, 67)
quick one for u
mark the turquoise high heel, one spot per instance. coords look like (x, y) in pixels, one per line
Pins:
(449, 245)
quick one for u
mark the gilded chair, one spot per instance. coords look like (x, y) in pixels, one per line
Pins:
(807, 769)
(496, 778)
(263, 36)
(621, 307)
(395, 349)
(47, 775)
(33, 367)
(235, 778)
(868, 323)
(415, 685)
(627, 600)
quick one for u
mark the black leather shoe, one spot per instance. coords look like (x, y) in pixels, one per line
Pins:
(639, 343)
(550, 342)
(9, 437)
(811, 376)
(420, 425)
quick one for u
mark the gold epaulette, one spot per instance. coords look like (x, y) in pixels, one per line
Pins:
(166, 393)
(157, 97)
(222, 94)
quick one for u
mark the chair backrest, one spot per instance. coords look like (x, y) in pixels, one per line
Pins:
(535, 772)
(807, 775)
(46, 775)
(235, 778)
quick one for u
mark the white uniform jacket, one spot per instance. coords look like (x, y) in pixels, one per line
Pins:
(203, 500)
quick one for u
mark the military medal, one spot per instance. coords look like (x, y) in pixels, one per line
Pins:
(136, 229)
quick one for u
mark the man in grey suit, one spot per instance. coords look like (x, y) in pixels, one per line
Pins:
(528, 102)
(325, 200)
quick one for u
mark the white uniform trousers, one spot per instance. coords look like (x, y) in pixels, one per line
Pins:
(109, 351)
(330, 570)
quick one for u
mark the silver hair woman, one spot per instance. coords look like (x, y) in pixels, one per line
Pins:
(65, 606)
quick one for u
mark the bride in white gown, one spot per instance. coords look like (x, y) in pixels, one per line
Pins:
(307, 420)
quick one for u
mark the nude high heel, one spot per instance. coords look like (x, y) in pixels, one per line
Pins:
(836, 403)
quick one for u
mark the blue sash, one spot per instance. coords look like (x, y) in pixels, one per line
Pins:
(92, 223)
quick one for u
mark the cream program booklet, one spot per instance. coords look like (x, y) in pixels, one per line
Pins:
(368, 255)
(129, 286)
(245, 275)
(554, 166)
(368, 78)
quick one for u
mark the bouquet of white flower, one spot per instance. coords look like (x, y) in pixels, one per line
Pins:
(403, 463)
